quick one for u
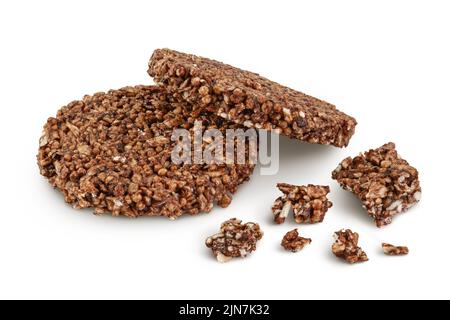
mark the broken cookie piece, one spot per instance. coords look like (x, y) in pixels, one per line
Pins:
(382, 180)
(309, 203)
(346, 247)
(293, 242)
(391, 250)
(234, 240)
(248, 99)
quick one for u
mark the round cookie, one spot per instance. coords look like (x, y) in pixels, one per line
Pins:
(112, 152)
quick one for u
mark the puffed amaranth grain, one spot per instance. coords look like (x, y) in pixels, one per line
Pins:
(112, 152)
(249, 99)
(385, 183)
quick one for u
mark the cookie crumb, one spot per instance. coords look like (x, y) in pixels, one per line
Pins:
(391, 250)
(309, 203)
(234, 240)
(346, 247)
(293, 242)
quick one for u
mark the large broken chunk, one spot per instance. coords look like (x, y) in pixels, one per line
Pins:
(384, 182)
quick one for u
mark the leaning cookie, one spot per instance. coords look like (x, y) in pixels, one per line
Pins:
(249, 99)
(112, 152)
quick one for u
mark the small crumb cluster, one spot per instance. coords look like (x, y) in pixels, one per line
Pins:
(309, 203)
(234, 240)
(391, 250)
(293, 242)
(385, 183)
(346, 247)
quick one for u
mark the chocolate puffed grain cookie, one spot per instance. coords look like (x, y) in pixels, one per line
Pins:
(249, 99)
(112, 152)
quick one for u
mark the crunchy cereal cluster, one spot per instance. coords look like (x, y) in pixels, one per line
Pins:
(249, 99)
(234, 240)
(112, 152)
(385, 183)
(309, 203)
(346, 247)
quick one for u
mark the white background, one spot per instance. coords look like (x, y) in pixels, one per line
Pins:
(384, 62)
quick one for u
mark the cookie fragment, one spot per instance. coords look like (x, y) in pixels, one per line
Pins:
(293, 242)
(234, 240)
(112, 152)
(391, 250)
(309, 203)
(385, 183)
(249, 99)
(346, 247)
